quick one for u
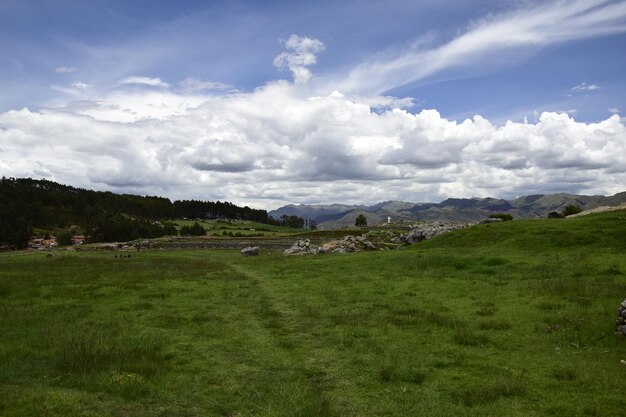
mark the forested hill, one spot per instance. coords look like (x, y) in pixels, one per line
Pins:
(46, 204)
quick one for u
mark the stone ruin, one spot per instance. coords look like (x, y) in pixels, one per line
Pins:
(348, 244)
(424, 231)
(376, 240)
(621, 318)
(250, 251)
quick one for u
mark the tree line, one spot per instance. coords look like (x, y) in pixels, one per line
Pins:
(26, 203)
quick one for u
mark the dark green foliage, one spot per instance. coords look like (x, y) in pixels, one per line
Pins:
(195, 209)
(26, 202)
(194, 230)
(360, 221)
(14, 231)
(504, 216)
(571, 209)
(64, 238)
(120, 228)
(555, 215)
(170, 229)
(289, 221)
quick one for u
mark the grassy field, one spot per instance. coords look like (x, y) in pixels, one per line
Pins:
(508, 319)
(240, 228)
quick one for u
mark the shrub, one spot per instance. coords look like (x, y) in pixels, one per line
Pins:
(169, 229)
(64, 238)
(195, 230)
(555, 215)
(571, 209)
(504, 216)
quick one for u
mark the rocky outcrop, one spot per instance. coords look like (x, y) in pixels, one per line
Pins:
(250, 251)
(424, 231)
(300, 247)
(621, 318)
(348, 244)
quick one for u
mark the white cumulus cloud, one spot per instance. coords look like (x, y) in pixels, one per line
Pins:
(277, 145)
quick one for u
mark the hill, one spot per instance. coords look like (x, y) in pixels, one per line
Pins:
(464, 210)
(27, 203)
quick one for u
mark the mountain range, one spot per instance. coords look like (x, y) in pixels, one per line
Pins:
(464, 210)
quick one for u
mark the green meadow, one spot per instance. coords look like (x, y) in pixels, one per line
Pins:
(240, 228)
(506, 319)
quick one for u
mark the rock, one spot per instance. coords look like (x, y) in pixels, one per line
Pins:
(301, 247)
(425, 231)
(330, 246)
(369, 245)
(250, 251)
(491, 220)
(320, 250)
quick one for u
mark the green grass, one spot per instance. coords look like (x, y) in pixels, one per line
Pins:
(240, 228)
(512, 319)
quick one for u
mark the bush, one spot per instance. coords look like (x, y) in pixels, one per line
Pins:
(505, 217)
(64, 238)
(555, 215)
(571, 209)
(169, 229)
(194, 230)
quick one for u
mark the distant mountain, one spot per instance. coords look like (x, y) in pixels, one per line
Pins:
(453, 209)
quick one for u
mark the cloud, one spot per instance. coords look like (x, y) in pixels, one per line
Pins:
(302, 55)
(585, 87)
(65, 70)
(194, 85)
(508, 33)
(80, 85)
(614, 110)
(147, 81)
(277, 144)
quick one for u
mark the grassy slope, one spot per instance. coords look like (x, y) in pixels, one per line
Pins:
(241, 227)
(503, 319)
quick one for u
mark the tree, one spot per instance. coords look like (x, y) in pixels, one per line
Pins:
(64, 238)
(361, 221)
(170, 229)
(291, 221)
(195, 230)
(571, 209)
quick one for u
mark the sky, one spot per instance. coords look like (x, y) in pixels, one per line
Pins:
(267, 103)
